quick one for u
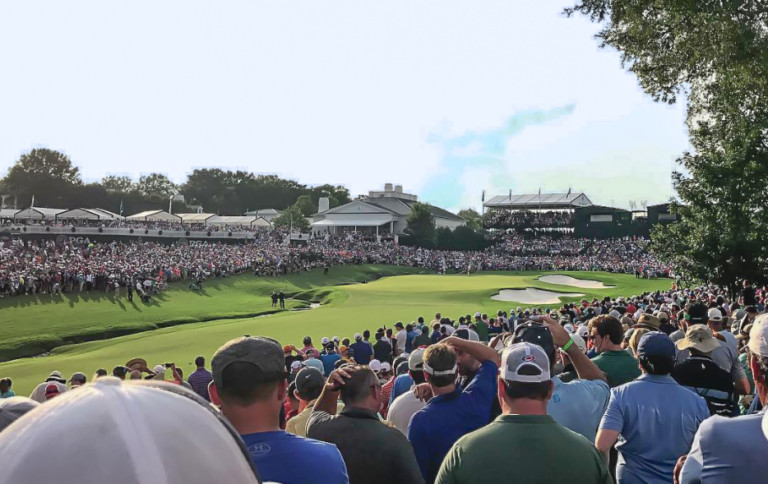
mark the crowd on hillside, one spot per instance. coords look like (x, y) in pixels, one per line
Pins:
(68, 265)
(645, 389)
(523, 219)
(138, 225)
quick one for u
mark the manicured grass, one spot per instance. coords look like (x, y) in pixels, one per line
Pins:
(349, 309)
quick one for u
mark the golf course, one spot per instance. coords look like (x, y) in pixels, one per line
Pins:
(84, 332)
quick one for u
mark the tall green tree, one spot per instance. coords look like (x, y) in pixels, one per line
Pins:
(715, 53)
(156, 185)
(118, 183)
(421, 230)
(474, 219)
(292, 217)
(46, 174)
(305, 205)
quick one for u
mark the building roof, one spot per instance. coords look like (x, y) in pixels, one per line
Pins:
(396, 205)
(232, 220)
(155, 216)
(194, 217)
(536, 200)
(437, 211)
(82, 214)
(8, 212)
(40, 213)
(262, 212)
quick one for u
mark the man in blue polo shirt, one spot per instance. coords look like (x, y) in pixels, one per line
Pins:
(655, 417)
(451, 412)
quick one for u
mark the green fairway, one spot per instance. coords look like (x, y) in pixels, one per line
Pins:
(349, 309)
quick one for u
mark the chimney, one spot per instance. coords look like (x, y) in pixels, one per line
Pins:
(323, 205)
(399, 188)
(387, 187)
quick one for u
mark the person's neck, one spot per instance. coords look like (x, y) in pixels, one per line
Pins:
(366, 405)
(443, 390)
(523, 406)
(256, 418)
(611, 347)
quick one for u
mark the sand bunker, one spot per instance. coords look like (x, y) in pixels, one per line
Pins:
(531, 296)
(570, 281)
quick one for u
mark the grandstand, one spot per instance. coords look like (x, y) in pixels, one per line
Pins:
(540, 201)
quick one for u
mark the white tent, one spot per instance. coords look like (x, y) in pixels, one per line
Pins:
(107, 215)
(39, 213)
(196, 218)
(261, 222)
(7, 213)
(81, 214)
(154, 216)
(232, 220)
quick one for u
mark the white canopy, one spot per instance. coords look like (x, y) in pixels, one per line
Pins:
(350, 220)
(232, 220)
(154, 216)
(39, 213)
(7, 212)
(81, 214)
(196, 218)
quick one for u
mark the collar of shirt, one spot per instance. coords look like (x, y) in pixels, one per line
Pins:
(536, 419)
(663, 379)
(446, 397)
(359, 413)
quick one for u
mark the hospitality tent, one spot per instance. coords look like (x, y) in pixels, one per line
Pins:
(8, 213)
(39, 213)
(233, 220)
(154, 216)
(196, 218)
(85, 214)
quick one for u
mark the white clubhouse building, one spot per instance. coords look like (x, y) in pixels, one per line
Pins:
(379, 213)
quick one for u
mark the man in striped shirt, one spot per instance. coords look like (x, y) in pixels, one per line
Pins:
(200, 379)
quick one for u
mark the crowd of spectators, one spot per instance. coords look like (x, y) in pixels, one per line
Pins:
(659, 387)
(527, 219)
(65, 264)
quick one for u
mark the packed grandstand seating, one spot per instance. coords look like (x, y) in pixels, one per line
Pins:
(527, 219)
(68, 264)
(696, 358)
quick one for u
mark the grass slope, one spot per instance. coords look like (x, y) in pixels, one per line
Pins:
(31, 325)
(352, 308)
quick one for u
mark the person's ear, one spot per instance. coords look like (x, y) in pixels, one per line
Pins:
(213, 392)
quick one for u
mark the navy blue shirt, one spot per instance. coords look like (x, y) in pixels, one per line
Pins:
(363, 352)
(289, 459)
(446, 418)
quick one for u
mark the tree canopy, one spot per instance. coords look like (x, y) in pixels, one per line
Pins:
(420, 230)
(715, 53)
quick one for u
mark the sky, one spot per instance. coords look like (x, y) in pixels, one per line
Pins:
(446, 97)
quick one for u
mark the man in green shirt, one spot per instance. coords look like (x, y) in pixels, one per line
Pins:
(524, 444)
(481, 327)
(618, 365)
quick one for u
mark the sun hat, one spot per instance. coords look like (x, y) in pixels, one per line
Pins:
(649, 321)
(132, 430)
(530, 356)
(698, 337)
(56, 376)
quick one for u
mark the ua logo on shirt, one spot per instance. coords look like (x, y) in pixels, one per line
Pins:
(259, 449)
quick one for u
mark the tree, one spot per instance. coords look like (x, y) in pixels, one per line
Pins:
(156, 185)
(421, 230)
(292, 217)
(474, 219)
(305, 205)
(46, 174)
(715, 52)
(117, 183)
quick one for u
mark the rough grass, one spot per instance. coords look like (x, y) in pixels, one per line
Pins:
(346, 309)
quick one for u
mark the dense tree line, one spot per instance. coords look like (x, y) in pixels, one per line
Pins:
(54, 181)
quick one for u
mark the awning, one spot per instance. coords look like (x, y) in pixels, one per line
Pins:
(343, 220)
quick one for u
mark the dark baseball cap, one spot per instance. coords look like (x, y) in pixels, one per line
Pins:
(698, 313)
(309, 379)
(265, 354)
(538, 334)
(656, 343)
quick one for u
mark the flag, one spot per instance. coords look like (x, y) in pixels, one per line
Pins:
(33, 201)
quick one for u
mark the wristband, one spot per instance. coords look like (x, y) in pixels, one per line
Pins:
(567, 345)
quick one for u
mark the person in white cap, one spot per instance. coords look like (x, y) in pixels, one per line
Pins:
(363, 351)
(13, 408)
(117, 427)
(55, 379)
(403, 407)
(524, 438)
(734, 449)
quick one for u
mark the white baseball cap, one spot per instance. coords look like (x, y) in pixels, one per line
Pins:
(526, 356)
(13, 408)
(758, 336)
(568, 327)
(132, 430)
(375, 365)
(416, 359)
(386, 367)
(295, 365)
(582, 331)
(324, 340)
(358, 336)
(715, 315)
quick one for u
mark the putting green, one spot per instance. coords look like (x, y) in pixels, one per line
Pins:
(349, 309)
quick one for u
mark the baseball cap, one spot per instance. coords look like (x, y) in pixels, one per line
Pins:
(375, 365)
(537, 334)
(295, 365)
(656, 343)
(386, 367)
(568, 327)
(324, 341)
(358, 336)
(336, 339)
(715, 315)
(758, 336)
(700, 338)
(308, 379)
(399, 325)
(528, 357)
(307, 340)
(12, 408)
(582, 331)
(263, 353)
(118, 425)
(78, 377)
(477, 314)
(287, 349)
(698, 313)
(314, 363)
(416, 359)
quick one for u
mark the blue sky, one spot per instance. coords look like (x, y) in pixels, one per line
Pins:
(445, 97)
